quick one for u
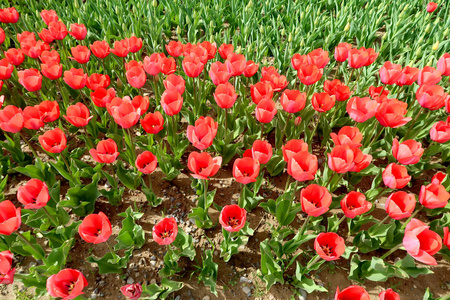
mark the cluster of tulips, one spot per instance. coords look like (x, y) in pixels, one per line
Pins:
(99, 105)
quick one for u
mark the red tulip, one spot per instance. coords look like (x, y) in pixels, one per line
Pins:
(236, 64)
(250, 68)
(338, 89)
(371, 54)
(400, 205)
(151, 63)
(408, 152)
(361, 160)
(49, 16)
(202, 165)
(153, 122)
(2, 36)
(421, 243)
(378, 93)
(357, 58)
(95, 228)
(132, 64)
(322, 102)
(146, 162)
(102, 96)
(329, 246)
(198, 51)
(318, 57)
(14, 56)
(298, 60)
(75, 78)
(265, 111)
(175, 82)
(390, 73)
(438, 178)
(302, 166)
(432, 97)
(26, 37)
(232, 218)
(5, 69)
(245, 170)
(293, 101)
(9, 15)
(408, 76)
(260, 91)
(309, 74)
(446, 237)
(440, 131)
(355, 204)
(347, 135)
(391, 113)
(53, 141)
(261, 151)
(79, 31)
(431, 6)
(67, 284)
(34, 49)
(49, 111)
(81, 54)
(292, 147)
(135, 44)
(192, 65)
(140, 102)
(58, 30)
(46, 36)
(429, 75)
(202, 134)
(225, 95)
(396, 176)
(96, 81)
(78, 115)
(174, 48)
(32, 118)
(341, 159)
(341, 52)
(165, 231)
(52, 70)
(100, 49)
(31, 79)
(433, 196)
(225, 50)
(352, 292)
(48, 57)
(389, 294)
(443, 64)
(11, 119)
(6, 270)
(136, 77)
(171, 102)
(315, 200)
(10, 218)
(168, 65)
(121, 48)
(271, 75)
(124, 112)
(211, 49)
(219, 73)
(132, 291)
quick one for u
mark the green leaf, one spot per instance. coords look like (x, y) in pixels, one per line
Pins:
(300, 281)
(81, 198)
(131, 235)
(208, 275)
(111, 263)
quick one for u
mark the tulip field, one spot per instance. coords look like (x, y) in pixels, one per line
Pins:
(261, 149)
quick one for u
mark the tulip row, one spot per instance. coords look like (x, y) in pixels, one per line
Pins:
(107, 127)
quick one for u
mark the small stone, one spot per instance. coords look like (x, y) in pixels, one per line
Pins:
(130, 280)
(303, 295)
(153, 281)
(206, 298)
(137, 274)
(94, 296)
(153, 257)
(244, 280)
(414, 286)
(247, 291)
(152, 263)
(178, 297)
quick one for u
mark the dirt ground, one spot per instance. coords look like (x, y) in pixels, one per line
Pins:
(239, 273)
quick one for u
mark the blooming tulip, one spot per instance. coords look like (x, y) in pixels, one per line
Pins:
(146, 162)
(292, 147)
(360, 160)
(202, 134)
(336, 88)
(341, 159)
(265, 111)
(225, 50)
(303, 166)
(153, 122)
(260, 91)
(309, 74)
(58, 30)
(352, 292)
(396, 176)
(136, 77)
(175, 82)
(443, 64)
(32, 118)
(67, 284)
(95, 228)
(389, 294)
(14, 56)
(431, 6)
(10, 218)
(433, 196)
(408, 76)
(293, 101)
(315, 200)
(390, 73)
(34, 194)
(408, 152)
(420, 242)
(400, 205)
(347, 135)
(171, 102)
(432, 97)
(232, 218)
(11, 119)
(391, 113)
(174, 48)
(361, 109)
(132, 291)
(81, 54)
(100, 49)
(235, 63)
(102, 96)
(440, 131)
(5, 69)
(165, 231)
(429, 75)
(79, 31)
(202, 165)
(121, 48)
(225, 95)
(219, 73)
(49, 111)
(135, 44)
(6, 270)
(245, 170)
(329, 246)
(355, 204)
(9, 15)
(250, 68)
(53, 141)
(75, 78)
(341, 52)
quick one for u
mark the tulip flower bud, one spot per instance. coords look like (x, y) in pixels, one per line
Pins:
(302, 15)
(290, 37)
(246, 30)
(420, 40)
(347, 27)
(446, 31)
(261, 29)
(297, 30)
(283, 32)
(379, 19)
(119, 83)
(178, 29)
(188, 21)
(338, 14)
(194, 14)
(435, 46)
(411, 64)
(298, 121)
(249, 48)
(427, 17)
(385, 36)
(316, 22)
(419, 51)
(155, 3)
(428, 28)
(302, 44)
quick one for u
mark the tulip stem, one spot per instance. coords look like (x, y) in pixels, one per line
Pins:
(315, 259)
(336, 226)
(314, 131)
(284, 129)
(133, 149)
(288, 181)
(337, 69)
(52, 220)
(26, 241)
(29, 145)
(124, 69)
(391, 251)
(174, 128)
(262, 130)
(409, 219)
(350, 77)
(205, 190)
(304, 226)
(194, 93)
(329, 180)
(413, 122)
(226, 125)
(379, 194)
(111, 249)
(149, 178)
(381, 222)
(376, 136)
